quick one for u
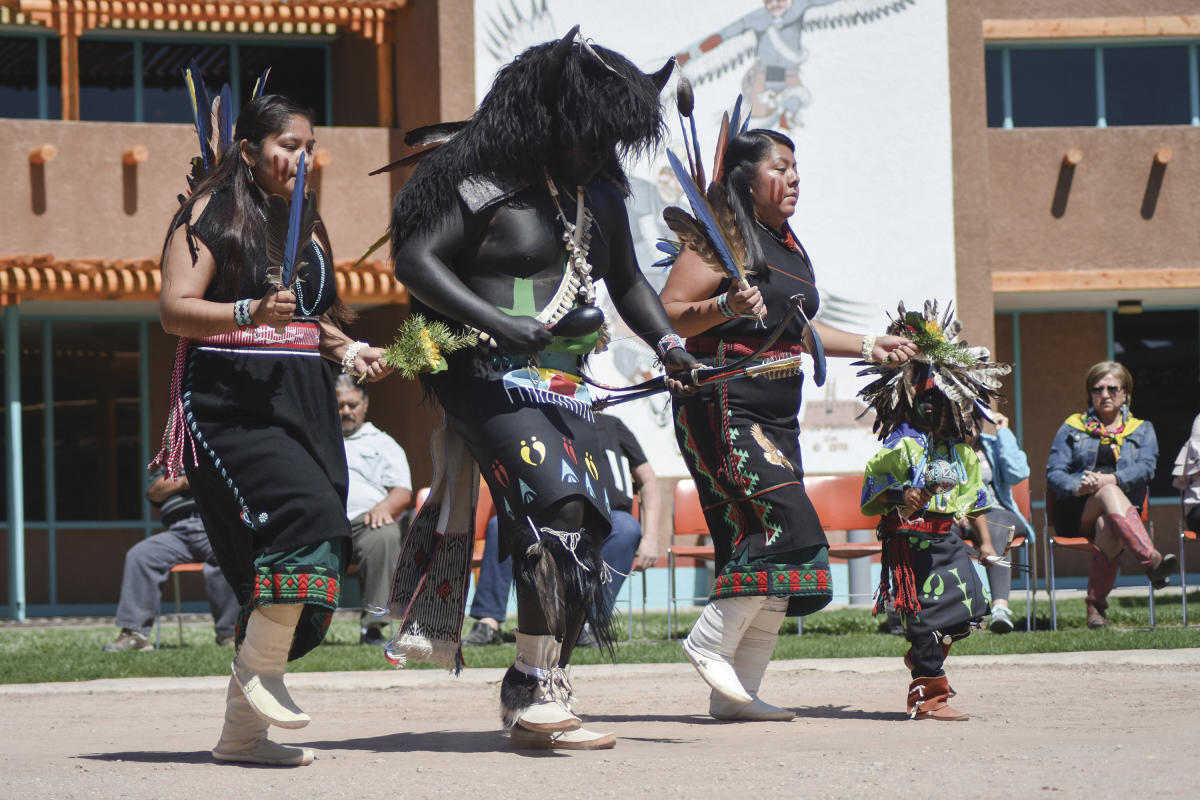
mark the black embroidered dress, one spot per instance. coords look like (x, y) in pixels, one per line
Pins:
(270, 476)
(740, 440)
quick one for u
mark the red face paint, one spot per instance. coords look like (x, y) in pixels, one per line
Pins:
(778, 189)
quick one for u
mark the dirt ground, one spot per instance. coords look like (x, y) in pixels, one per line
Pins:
(1095, 725)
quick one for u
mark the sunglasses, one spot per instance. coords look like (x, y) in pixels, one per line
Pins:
(1113, 390)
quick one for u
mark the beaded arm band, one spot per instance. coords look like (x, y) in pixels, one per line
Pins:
(668, 343)
(241, 314)
(348, 357)
(724, 307)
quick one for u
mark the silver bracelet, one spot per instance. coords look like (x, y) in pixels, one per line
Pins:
(348, 357)
(241, 314)
(868, 347)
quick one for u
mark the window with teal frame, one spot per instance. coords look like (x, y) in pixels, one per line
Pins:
(1063, 84)
(30, 76)
(136, 78)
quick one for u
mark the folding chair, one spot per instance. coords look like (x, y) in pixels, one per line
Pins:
(1082, 544)
(687, 521)
(838, 500)
(1021, 542)
(176, 571)
(1184, 537)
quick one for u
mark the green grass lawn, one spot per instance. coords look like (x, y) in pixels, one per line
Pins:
(55, 654)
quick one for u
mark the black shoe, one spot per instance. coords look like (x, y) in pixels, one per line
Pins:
(373, 635)
(482, 634)
(586, 638)
(1160, 576)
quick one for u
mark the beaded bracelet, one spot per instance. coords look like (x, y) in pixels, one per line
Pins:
(668, 343)
(724, 307)
(241, 314)
(349, 356)
(868, 347)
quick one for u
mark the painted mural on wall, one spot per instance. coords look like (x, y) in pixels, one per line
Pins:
(861, 86)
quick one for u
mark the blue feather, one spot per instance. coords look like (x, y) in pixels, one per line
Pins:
(260, 85)
(225, 121)
(201, 105)
(735, 119)
(671, 248)
(704, 214)
(293, 235)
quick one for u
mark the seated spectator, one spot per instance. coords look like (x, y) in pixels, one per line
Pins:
(1099, 469)
(380, 490)
(1003, 465)
(625, 549)
(1187, 477)
(148, 563)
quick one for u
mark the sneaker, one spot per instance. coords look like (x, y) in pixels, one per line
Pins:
(586, 638)
(1001, 621)
(482, 634)
(373, 635)
(128, 640)
(226, 641)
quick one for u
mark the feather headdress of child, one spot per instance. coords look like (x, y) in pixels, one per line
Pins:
(966, 376)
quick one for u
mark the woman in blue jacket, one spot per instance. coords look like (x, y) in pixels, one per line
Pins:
(1099, 470)
(1003, 465)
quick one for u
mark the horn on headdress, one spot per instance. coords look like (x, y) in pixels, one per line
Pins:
(663, 75)
(552, 69)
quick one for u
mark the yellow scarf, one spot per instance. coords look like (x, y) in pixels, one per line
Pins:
(1089, 424)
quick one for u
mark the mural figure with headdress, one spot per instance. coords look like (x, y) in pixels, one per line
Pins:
(769, 38)
(924, 479)
(742, 289)
(501, 235)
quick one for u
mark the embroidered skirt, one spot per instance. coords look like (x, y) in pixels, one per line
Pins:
(263, 451)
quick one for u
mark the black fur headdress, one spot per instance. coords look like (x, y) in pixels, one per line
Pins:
(552, 95)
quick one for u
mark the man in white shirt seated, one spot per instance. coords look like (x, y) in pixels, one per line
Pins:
(380, 490)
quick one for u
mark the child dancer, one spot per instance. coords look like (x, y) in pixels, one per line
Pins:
(923, 479)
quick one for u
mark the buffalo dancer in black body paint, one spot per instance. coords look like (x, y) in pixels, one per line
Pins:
(504, 229)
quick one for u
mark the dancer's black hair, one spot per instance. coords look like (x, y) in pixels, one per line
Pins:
(743, 155)
(552, 96)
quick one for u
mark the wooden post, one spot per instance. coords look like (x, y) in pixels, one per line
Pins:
(70, 75)
(1162, 156)
(43, 153)
(385, 100)
(1072, 157)
(135, 155)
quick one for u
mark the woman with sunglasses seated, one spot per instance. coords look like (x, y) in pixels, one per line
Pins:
(1099, 469)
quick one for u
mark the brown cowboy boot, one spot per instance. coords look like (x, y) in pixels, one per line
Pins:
(1131, 530)
(1102, 575)
(927, 700)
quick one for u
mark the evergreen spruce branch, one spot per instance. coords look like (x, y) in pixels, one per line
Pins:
(420, 346)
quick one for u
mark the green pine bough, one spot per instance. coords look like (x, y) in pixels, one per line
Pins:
(421, 345)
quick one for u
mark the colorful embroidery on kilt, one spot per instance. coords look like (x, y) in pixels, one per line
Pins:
(293, 586)
(693, 453)
(759, 580)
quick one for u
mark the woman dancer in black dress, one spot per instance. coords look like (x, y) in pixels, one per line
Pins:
(740, 439)
(253, 416)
